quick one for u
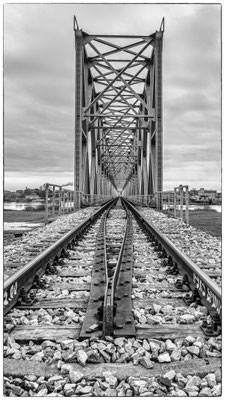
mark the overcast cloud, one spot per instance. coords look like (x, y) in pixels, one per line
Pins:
(39, 87)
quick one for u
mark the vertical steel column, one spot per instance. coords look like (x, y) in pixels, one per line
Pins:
(53, 201)
(78, 117)
(175, 202)
(64, 200)
(69, 207)
(46, 202)
(158, 106)
(181, 192)
(60, 200)
(186, 205)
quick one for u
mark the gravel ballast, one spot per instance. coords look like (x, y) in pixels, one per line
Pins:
(148, 354)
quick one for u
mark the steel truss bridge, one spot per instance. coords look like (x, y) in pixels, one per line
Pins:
(118, 114)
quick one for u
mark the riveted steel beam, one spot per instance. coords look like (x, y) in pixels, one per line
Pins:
(118, 111)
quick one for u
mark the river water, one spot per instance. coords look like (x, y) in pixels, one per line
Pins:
(216, 207)
(14, 206)
(35, 204)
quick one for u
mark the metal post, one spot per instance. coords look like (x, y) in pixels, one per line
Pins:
(186, 205)
(46, 202)
(66, 205)
(60, 200)
(68, 197)
(53, 201)
(181, 191)
(73, 200)
(159, 125)
(175, 202)
(64, 201)
(70, 201)
(78, 116)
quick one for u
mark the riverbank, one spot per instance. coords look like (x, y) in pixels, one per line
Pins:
(209, 221)
(24, 216)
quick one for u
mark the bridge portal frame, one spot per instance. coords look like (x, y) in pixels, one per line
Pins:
(98, 163)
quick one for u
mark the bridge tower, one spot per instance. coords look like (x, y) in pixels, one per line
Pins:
(118, 114)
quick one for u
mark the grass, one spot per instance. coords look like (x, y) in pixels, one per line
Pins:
(209, 221)
(24, 216)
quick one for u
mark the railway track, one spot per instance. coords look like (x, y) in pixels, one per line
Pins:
(110, 292)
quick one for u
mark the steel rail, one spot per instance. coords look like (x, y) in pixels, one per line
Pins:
(208, 289)
(108, 305)
(94, 310)
(119, 262)
(23, 279)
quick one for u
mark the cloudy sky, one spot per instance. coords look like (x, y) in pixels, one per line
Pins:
(39, 87)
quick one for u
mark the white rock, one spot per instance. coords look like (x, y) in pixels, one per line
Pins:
(187, 318)
(181, 393)
(191, 381)
(170, 346)
(155, 345)
(205, 392)
(193, 350)
(218, 375)
(190, 339)
(198, 344)
(146, 345)
(211, 379)
(170, 374)
(55, 378)
(65, 368)
(146, 362)
(156, 308)
(154, 319)
(84, 389)
(57, 355)
(142, 319)
(139, 383)
(164, 357)
(167, 309)
(191, 389)
(69, 389)
(42, 393)
(176, 355)
(75, 376)
(82, 357)
(119, 342)
(217, 390)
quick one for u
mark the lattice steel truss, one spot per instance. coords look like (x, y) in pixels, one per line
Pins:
(118, 113)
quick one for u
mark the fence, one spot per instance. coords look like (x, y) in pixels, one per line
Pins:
(59, 200)
(174, 203)
(93, 199)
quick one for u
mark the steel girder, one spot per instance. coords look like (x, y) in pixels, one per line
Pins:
(118, 113)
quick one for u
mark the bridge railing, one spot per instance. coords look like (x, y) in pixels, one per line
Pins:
(59, 201)
(175, 203)
(93, 199)
(143, 200)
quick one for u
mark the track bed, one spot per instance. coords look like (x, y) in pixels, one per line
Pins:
(55, 345)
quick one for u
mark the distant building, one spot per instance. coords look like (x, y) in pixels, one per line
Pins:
(204, 195)
(193, 192)
(32, 197)
(211, 194)
(219, 197)
(201, 191)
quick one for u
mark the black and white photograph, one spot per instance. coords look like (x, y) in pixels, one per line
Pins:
(112, 199)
